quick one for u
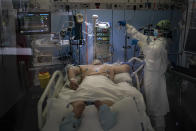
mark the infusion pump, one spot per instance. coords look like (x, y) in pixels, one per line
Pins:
(103, 25)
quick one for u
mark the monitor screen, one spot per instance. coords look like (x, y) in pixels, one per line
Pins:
(34, 22)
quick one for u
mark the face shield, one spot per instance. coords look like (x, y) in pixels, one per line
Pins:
(156, 32)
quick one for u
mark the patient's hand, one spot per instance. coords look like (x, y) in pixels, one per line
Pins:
(74, 84)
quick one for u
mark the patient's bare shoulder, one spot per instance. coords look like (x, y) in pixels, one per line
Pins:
(121, 68)
(126, 67)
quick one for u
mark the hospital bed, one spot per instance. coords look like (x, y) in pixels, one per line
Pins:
(56, 93)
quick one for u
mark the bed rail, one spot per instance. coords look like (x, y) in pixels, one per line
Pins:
(135, 73)
(55, 84)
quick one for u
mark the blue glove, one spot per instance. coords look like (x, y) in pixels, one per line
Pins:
(122, 23)
(70, 123)
(134, 42)
(107, 118)
(156, 32)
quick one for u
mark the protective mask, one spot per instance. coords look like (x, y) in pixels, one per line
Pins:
(156, 33)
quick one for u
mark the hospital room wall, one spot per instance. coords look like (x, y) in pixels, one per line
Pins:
(138, 18)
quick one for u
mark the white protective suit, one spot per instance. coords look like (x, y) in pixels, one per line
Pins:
(154, 72)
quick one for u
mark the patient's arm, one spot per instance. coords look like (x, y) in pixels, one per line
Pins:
(110, 72)
(121, 68)
(73, 71)
(111, 75)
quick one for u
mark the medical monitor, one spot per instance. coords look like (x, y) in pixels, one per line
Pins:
(34, 23)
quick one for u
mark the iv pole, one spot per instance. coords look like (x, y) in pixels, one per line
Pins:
(95, 17)
(125, 47)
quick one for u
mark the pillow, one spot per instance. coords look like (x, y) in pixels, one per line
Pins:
(122, 77)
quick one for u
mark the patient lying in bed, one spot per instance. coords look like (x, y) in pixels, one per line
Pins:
(101, 72)
(97, 68)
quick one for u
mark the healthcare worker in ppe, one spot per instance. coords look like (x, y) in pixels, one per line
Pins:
(154, 49)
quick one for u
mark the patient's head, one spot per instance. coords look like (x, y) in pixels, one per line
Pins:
(97, 62)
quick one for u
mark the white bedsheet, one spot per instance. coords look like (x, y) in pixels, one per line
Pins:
(128, 102)
(99, 87)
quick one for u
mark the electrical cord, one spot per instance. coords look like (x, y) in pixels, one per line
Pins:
(125, 49)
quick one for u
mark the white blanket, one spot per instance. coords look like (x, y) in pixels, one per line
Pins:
(128, 100)
(99, 87)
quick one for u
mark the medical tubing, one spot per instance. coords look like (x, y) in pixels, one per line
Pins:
(125, 49)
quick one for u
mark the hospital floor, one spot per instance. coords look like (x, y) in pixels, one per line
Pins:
(176, 120)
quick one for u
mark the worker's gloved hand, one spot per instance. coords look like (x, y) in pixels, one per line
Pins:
(70, 123)
(107, 118)
(74, 84)
(129, 26)
(134, 42)
(140, 44)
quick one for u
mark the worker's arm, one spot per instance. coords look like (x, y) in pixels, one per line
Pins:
(132, 31)
(141, 44)
(121, 68)
(72, 73)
